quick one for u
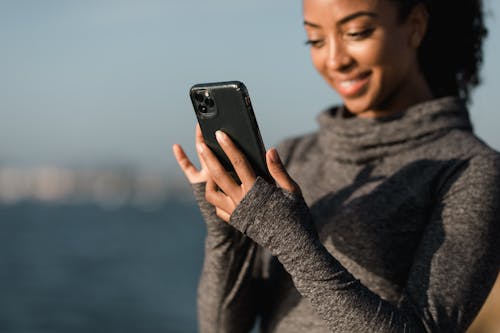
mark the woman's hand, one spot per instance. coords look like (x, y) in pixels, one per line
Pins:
(221, 190)
(192, 173)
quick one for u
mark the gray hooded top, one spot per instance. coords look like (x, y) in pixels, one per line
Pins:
(397, 230)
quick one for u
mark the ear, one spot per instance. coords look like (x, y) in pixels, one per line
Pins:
(418, 20)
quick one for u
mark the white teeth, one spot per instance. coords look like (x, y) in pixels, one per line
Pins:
(347, 84)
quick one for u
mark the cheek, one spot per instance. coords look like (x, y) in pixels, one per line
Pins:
(389, 53)
(384, 58)
(369, 54)
(392, 63)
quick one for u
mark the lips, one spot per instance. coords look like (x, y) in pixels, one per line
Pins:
(352, 86)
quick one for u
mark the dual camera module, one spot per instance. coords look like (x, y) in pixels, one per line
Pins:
(204, 102)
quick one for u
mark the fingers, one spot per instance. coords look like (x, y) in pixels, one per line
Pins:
(222, 214)
(199, 139)
(223, 204)
(217, 198)
(279, 173)
(185, 164)
(199, 134)
(237, 158)
(217, 172)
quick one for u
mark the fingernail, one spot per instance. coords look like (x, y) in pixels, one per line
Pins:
(199, 147)
(274, 156)
(221, 137)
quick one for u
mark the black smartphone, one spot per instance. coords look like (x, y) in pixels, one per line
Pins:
(226, 106)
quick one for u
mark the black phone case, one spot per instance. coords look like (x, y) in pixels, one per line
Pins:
(226, 106)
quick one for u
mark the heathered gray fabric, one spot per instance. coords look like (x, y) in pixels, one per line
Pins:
(396, 231)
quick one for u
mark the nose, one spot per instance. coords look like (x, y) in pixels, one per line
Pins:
(338, 57)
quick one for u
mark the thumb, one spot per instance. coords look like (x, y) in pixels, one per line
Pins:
(278, 172)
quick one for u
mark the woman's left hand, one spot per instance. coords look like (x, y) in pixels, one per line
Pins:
(225, 201)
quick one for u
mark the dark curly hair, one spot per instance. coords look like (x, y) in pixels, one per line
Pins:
(451, 52)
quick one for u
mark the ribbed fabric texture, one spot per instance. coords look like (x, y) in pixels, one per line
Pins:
(396, 230)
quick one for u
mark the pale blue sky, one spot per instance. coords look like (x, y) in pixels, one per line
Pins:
(106, 81)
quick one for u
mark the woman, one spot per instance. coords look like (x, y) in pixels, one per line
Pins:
(385, 218)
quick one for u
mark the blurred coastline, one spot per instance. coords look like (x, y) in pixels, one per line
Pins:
(109, 187)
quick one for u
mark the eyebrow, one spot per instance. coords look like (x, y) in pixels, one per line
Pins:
(343, 20)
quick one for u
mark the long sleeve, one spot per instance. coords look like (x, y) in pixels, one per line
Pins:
(453, 270)
(227, 289)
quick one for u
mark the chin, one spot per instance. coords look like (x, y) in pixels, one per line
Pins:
(367, 104)
(358, 105)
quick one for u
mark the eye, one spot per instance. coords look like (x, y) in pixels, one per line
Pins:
(361, 34)
(316, 43)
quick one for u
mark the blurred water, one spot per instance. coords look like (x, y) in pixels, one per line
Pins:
(82, 268)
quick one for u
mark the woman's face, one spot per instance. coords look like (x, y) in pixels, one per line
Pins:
(366, 53)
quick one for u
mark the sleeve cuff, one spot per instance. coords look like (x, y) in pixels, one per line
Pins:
(274, 218)
(248, 209)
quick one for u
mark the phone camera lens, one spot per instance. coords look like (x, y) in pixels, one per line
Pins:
(202, 108)
(199, 97)
(209, 102)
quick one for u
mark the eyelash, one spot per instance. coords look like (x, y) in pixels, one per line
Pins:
(314, 42)
(358, 35)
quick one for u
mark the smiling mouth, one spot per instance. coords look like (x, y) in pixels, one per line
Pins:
(353, 87)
